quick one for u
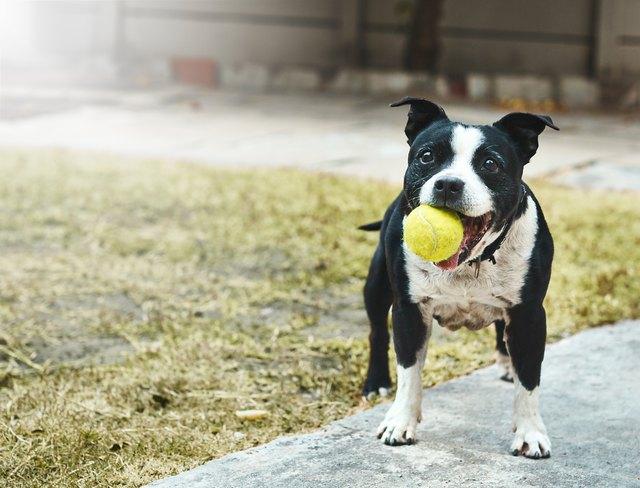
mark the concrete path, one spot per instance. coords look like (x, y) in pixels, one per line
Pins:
(590, 402)
(351, 135)
(605, 175)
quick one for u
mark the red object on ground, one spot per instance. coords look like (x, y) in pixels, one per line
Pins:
(195, 71)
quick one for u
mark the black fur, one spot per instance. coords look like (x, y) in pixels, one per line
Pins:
(501, 345)
(527, 329)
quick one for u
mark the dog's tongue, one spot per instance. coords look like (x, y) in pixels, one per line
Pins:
(474, 229)
(451, 263)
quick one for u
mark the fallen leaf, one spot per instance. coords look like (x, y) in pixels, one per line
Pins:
(254, 414)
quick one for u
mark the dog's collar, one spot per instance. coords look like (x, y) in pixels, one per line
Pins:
(489, 251)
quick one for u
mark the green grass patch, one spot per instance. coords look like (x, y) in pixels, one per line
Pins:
(142, 303)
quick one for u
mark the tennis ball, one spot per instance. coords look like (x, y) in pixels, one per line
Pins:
(434, 234)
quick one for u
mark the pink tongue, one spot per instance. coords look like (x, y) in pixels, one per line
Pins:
(451, 263)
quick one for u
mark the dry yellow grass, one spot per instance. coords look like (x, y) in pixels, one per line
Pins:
(143, 303)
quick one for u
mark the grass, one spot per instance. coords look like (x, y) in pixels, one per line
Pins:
(142, 303)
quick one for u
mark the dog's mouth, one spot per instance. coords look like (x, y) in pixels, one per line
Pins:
(474, 230)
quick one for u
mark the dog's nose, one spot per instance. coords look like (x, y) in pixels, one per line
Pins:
(448, 187)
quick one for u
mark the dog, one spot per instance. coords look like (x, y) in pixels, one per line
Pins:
(499, 274)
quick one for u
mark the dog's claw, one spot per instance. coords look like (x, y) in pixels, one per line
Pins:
(398, 429)
(531, 443)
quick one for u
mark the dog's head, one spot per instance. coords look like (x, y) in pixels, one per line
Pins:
(474, 170)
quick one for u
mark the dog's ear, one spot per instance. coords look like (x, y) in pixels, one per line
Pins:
(422, 114)
(524, 129)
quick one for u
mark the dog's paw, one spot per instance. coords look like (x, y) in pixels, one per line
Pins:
(398, 427)
(372, 388)
(504, 362)
(371, 394)
(532, 442)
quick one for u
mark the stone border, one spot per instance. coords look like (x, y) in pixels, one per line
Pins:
(550, 92)
(568, 91)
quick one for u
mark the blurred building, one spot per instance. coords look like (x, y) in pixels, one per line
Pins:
(200, 39)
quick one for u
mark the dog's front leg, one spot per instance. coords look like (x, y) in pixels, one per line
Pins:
(410, 338)
(526, 335)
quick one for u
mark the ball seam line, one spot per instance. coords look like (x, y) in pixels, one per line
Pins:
(433, 232)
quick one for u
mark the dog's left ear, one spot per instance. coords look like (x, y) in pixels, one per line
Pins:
(524, 129)
(422, 114)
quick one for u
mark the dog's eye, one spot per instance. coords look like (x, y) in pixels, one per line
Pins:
(426, 157)
(490, 165)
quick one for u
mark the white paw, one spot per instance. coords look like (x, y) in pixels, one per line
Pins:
(382, 391)
(399, 426)
(531, 441)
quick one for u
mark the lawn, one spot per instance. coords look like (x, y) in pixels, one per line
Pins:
(142, 303)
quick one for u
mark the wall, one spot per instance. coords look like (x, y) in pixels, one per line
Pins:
(541, 37)
(489, 36)
(618, 54)
(546, 37)
(73, 28)
(271, 32)
(516, 36)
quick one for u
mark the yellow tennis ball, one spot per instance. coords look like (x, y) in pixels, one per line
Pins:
(434, 234)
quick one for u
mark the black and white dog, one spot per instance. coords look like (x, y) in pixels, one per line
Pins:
(499, 274)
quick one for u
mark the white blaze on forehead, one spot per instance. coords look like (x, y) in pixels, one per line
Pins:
(476, 198)
(464, 142)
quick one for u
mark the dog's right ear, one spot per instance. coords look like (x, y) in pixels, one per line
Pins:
(422, 114)
(524, 129)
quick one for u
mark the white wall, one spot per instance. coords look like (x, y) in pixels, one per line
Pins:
(271, 32)
(73, 28)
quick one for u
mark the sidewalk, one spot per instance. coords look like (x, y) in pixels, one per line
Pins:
(589, 402)
(351, 135)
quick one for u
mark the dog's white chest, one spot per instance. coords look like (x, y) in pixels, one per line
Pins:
(464, 300)
(459, 298)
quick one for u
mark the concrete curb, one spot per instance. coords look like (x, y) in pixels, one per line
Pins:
(567, 91)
